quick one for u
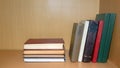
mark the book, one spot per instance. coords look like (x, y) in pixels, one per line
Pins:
(109, 19)
(75, 41)
(97, 41)
(45, 56)
(44, 59)
(109, 36)
(83, 40)
(90, 40)
(50, 43)
(44, 51)
(105, 18)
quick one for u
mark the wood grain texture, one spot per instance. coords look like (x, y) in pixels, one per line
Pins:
(113, 6)
(24, 19)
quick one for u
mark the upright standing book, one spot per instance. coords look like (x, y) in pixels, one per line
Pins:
(83, 40)
(109, 36)
(90, 40)
(97, 41)
(105, 18)
(75, 41)
(109, 19)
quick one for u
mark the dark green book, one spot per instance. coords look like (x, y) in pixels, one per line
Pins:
(106, 36)
(109, 36)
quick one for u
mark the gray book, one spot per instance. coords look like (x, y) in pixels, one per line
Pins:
(76, 41)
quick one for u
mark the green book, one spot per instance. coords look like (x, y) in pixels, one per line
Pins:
(105, 18)
(108, 19)
(109, 37)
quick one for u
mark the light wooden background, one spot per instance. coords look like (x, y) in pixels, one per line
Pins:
(24, 19)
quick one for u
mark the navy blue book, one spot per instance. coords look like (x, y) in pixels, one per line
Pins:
(90, 40)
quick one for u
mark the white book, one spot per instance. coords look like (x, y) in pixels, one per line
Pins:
(43, 46)
(83, 40)
(44, 60)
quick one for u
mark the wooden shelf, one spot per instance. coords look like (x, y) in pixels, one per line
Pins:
(14, 59)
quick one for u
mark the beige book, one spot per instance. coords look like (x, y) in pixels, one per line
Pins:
(43, 55)
(43, 51)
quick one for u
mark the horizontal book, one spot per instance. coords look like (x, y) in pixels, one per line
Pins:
(44, 51)
(44, 56)
(51, 43)
(44, 59)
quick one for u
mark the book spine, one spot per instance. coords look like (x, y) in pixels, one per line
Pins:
(105, 18)
(109, 37)
(71, 50)
(97, 42)
(91, 36)
(81, 50)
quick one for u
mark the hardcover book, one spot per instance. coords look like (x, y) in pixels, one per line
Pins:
(90, 40)
(44, 59)
(75, 41)
(109, 37)
(50, 43)
(97, 41)
(109, 19)
(46, 56)
(44, 51)
(105, 18)
(83, 40)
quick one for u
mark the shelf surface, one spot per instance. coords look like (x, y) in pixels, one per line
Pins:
(14, 59)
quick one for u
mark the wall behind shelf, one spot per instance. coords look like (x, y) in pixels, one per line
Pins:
(24, 19)
(113, 6)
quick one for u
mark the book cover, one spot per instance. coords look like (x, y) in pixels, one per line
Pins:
(90, 40)
(105, 17)
(44, 41)
(50, 43)
(45, 56)
(97, 41)
(44, 51)
(109, 19)
(109, 36)
(44, 59)
(83, 40)
(75, 41)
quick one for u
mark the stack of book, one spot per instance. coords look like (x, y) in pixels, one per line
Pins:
(44, 50)
(91, 39)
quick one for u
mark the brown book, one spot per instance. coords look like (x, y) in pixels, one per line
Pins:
(51, 43)
(44, 51)
(61, 55)
(45, 41)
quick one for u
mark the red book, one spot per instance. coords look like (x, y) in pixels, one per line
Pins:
(97, 42)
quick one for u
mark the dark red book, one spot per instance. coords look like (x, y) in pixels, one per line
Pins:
(46, 43)
(97, 42)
